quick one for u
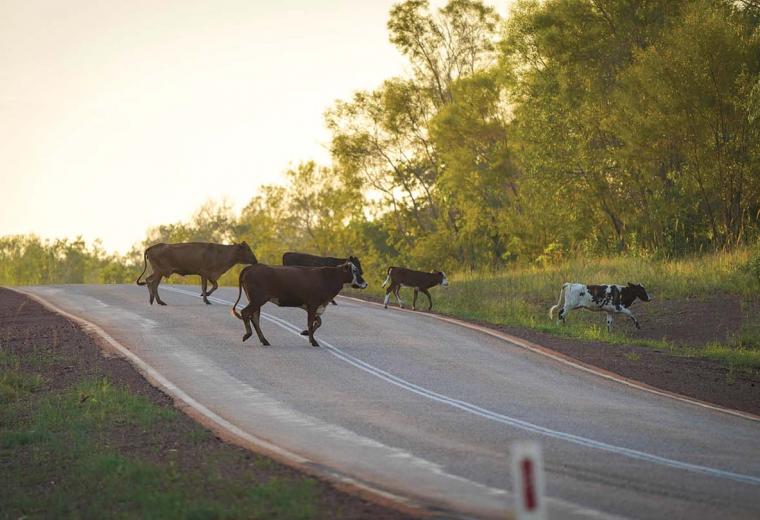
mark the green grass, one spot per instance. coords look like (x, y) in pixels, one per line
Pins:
(522, 296)
(60, 460)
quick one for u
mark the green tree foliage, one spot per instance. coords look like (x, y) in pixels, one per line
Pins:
(28, 260)
(591, 126)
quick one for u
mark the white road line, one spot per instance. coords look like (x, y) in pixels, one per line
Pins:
(561, 358)
(495, 416)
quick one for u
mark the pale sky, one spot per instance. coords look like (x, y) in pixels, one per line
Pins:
(120, 115)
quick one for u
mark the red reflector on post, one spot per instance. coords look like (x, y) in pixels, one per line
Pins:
(528, 480)
(529, 489)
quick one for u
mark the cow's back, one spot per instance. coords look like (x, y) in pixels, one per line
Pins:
(188, 257)
(412, 278)
(307, 260)
(293, 286)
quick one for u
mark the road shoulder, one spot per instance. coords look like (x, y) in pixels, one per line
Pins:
(695, 378)
(57, 358)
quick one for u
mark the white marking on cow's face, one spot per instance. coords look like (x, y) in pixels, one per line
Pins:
(445, 281)
(355, 282)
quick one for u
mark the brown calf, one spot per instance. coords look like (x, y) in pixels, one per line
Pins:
(310, 288)
(209, 261)
(419, 280)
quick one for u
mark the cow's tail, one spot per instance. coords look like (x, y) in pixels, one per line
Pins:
(240, 292)
(145, 267)
(559, 301)
(387, 278)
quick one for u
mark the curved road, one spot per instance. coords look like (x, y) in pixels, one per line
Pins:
(427, 409)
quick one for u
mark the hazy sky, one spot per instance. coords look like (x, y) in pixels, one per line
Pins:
(120, 115)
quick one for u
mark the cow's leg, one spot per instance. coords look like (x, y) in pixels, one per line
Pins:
(414, 300)
(562, 316)
(628, 313)
(609, 321)
(204, 286)
(388, 292)
(246, 314)
(149, 285)
(154, 287)
(430, 300)
(214, 288)
(256, 319)
(310, 319)
(317, 324)
(398, 297)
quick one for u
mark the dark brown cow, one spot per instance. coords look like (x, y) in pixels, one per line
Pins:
(209, 261)
(419, 280)
(310, 288)
(307, 260)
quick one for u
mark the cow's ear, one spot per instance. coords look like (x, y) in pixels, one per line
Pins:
(630, 284)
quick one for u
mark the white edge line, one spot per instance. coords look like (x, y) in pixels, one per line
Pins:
(543, 351)
(222, 424)
(495, 416)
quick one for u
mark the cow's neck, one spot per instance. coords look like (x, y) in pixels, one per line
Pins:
(335, 282)
(627, 297)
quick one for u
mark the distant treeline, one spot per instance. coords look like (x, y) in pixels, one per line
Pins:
(586, 127)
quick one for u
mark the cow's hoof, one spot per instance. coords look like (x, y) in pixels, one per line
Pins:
(265, 343)
(314, 344)
(638, 326)
(246, 336)
(161, 303)
(304, 333)
(207, 302)
(385, 306)
(333, 302)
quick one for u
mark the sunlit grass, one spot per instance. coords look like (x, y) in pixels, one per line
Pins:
(521, 296)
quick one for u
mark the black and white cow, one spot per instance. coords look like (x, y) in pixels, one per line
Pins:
(612, 299)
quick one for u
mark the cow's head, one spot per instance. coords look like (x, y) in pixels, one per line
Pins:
(353, 276)
(639, 292)
(442, 280)
(357, 263)
(244, 255)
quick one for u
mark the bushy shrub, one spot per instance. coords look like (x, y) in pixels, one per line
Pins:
(753, 265)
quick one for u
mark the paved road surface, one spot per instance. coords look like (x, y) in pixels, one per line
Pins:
(428, 409)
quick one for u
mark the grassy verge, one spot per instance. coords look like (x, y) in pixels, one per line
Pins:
(94, 449)
(522, 297)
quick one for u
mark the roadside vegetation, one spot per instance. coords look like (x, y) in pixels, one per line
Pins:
(522, 296)
(70, 438)
(578, 140)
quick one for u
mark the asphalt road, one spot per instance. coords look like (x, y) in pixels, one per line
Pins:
(428, 409)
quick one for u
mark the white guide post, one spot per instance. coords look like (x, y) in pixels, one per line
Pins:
(528, 478)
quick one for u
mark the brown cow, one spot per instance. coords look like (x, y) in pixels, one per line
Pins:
(310, 288)
(419, 280)
(209, 261)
